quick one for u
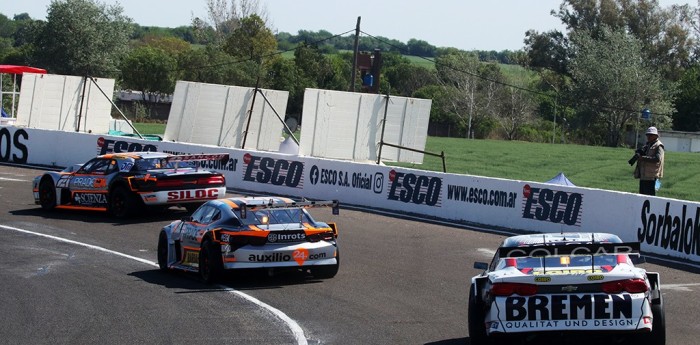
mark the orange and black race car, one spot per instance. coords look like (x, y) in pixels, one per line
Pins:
(253, 232)
(123, 183)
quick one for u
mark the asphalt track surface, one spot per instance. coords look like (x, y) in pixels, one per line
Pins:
(400, 282)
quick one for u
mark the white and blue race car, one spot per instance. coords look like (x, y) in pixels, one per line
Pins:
(542, 286)
(271, 233)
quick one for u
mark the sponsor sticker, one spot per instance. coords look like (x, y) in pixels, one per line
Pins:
(562, 307)
(90, 199)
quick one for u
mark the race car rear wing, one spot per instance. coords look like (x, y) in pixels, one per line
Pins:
(569, 249)
(199, 157)
(334, 204)
(222, 157)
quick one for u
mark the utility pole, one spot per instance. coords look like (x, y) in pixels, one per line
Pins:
(354, 55)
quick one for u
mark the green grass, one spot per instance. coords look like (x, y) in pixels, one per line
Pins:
(585, 166)
(428, 63)
(150, 128)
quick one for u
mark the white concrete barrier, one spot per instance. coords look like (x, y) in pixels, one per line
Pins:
(666, 227)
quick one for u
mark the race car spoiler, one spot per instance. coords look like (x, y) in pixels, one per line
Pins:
(221, 157)
(199, 157)
(302, 204)
(569, 249)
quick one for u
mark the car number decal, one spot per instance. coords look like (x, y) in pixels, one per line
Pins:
(126, 166)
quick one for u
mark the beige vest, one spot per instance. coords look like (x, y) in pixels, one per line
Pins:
(648, 170)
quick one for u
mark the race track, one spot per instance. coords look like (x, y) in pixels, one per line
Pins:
(400, 282)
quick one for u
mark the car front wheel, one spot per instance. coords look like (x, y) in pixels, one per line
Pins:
(163, 251)
(47, 194)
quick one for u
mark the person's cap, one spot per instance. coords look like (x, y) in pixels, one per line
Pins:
(652, 130)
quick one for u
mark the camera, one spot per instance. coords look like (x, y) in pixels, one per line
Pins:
(634, 158)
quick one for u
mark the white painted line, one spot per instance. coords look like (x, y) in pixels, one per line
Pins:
(12, 179)
(486, 252)
(293, 325)
(678, 287)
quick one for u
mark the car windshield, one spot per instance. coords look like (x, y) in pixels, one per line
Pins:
(533, 265)
(159, 163)
(277, 216)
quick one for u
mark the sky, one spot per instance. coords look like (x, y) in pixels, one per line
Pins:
(464, 24)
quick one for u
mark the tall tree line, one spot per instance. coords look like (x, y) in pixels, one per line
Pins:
(586, 84)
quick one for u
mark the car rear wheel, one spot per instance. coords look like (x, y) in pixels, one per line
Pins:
(163, 251)
(210, 263)
(477, 328)
(47, 194)
(326, 271)
(121, 203)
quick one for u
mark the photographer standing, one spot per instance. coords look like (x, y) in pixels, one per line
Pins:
(650, 162)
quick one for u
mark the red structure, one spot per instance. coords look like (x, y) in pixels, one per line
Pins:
(14, 69)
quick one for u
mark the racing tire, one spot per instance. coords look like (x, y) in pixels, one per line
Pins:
(47, 194)
(658, 329)
(326, 271)
(211, 266)
(121, 203)
(163, 251)
(475, 318)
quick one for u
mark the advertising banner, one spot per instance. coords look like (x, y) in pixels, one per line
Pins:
(666, 227)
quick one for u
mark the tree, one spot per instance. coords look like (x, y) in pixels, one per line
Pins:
(251, 40)
(7, 27)
(150, 70)
(169, 44)
(515, 110)
(406, 78)
(476, 86)
(664, 34)
(284, 75)
(612, 82)
(420, 48)
(83, 37)
(549, 50)
(442, 112)
(225, 18)
(211, 65)
(687, 117)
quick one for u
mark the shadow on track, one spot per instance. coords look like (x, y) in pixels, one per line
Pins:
(251, 279)
(151, 215)
(456, 341)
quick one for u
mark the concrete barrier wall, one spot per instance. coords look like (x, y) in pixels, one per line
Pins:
(666, 227)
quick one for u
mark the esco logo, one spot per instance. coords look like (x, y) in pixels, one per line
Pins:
(115, 146)
(277, 172)
(416, 189)
(550, 205)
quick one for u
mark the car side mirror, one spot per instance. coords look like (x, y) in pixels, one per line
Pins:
(481, 265)
(186, 219)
